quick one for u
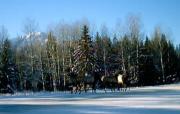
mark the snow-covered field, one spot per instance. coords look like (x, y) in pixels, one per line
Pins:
(147, 100)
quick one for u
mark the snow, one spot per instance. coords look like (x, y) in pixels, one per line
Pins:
(41, 36)
(145, 100)
(32, 34)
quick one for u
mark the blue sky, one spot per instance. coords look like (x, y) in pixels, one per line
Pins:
(164, 13)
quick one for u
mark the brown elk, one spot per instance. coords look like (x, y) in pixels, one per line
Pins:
(91, 81)
(115, 81)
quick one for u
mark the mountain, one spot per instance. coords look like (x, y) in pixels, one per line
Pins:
(33, 36)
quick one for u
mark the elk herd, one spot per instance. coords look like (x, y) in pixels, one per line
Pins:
(95, 80)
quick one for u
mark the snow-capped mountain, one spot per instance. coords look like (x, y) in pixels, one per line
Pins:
(35, 36)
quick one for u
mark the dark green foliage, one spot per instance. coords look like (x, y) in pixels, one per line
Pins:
(148, 73)
(8, 70)
(84, 55)
(98, 46)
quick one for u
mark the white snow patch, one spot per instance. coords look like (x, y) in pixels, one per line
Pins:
(152, 100)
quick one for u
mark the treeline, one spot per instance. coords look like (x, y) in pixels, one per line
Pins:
(41, 61)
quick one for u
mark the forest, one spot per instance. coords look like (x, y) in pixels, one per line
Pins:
(43, 61)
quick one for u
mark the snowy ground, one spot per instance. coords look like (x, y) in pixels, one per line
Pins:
(147, 100)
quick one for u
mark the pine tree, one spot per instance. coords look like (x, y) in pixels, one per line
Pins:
(9, 76)
(107, 51)
(84, 55)
(98, 47)
(148, 74)
(178, 63)
(116, 56)
(171, 64)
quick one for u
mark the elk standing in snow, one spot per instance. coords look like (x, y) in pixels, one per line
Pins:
(113, 82)
(91, 81)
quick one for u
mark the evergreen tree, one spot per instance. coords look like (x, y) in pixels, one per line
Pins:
(178, 63)
(147, 69)
(84, 55)
(171, 64)
(9, 76)
(115, 62)
(107, 52)
(98, 47)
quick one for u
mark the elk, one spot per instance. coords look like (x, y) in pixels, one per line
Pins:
(73, 83)
(91, 81)
(114, 81)
(121, 82)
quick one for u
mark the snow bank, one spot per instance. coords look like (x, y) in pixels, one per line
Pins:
(151, 100)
